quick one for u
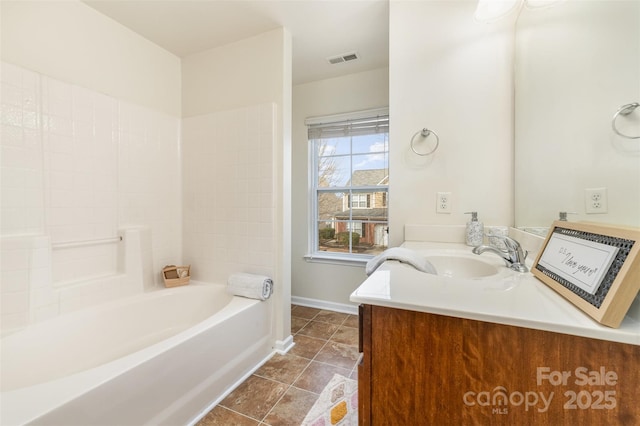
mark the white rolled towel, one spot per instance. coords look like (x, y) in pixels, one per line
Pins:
(250, 285)
(402, 255)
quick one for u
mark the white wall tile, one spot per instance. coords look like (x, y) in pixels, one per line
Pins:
(11, 74)
(11, 94)
(40, 277)
(57, 98)
(61, 161)
(12, 321)
(13, 221)
(14, 280)
(13, 259)
(15, 302)
(77, 165)
(17, 157)
(226, 200)
(43, 296)
(11, 115)
(34, 221)
(13, 178)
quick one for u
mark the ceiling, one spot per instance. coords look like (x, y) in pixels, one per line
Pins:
(319, 28)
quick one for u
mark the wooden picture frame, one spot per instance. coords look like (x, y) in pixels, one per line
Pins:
(594, 266)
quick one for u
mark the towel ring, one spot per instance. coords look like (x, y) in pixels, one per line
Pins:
(624, 110)
(425, 134)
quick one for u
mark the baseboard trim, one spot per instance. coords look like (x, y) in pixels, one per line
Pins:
(323, 304)
(283, 346)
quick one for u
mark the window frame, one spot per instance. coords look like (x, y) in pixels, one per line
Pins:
(313, 252)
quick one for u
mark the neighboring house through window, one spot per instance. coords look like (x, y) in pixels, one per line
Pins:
(349, 157)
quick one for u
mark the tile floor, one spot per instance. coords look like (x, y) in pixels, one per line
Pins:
(284, 389)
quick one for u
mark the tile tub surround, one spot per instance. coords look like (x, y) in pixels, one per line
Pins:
(229, 207)
(78, 165)
(284, 389)
(29, 295)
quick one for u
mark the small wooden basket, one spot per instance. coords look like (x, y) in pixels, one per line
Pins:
(175, 276)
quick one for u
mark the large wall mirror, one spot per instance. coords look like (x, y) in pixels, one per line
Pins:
(577, 63)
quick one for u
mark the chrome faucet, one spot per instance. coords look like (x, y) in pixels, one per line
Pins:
(514, 256)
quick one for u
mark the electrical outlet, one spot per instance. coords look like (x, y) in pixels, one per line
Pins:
(595, 200)
(443, 202)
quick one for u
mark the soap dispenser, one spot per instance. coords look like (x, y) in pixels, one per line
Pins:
(475, 231)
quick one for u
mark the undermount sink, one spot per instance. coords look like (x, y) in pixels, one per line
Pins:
(462, 266)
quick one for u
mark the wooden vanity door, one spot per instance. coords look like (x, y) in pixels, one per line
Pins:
(364, 366)
(424, 369)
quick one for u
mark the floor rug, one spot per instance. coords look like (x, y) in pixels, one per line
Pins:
(337, 405)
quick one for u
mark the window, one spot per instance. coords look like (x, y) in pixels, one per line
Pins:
(349, 158)
(360, 200)
(355, 227)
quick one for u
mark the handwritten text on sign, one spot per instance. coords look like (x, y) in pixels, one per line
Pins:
(581, 262)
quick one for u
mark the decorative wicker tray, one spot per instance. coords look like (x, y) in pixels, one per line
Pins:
(175, 276)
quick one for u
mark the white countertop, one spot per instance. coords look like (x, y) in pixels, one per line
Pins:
(508, 297)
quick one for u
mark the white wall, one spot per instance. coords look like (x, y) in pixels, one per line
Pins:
(247, 72)
(564, 139)
(69, 41)
(454, 76)
(353, 92)
(236, 109)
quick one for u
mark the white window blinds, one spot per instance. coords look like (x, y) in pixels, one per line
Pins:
(359, 123)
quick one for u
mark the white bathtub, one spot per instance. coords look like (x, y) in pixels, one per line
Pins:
(155, 358)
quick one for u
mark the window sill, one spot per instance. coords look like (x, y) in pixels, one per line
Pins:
(338, 259)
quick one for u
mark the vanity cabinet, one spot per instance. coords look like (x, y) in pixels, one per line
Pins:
(426, 369)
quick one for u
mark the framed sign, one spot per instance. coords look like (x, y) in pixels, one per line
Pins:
(595, 266)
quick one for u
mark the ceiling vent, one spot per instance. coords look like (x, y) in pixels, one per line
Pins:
(346, 57)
